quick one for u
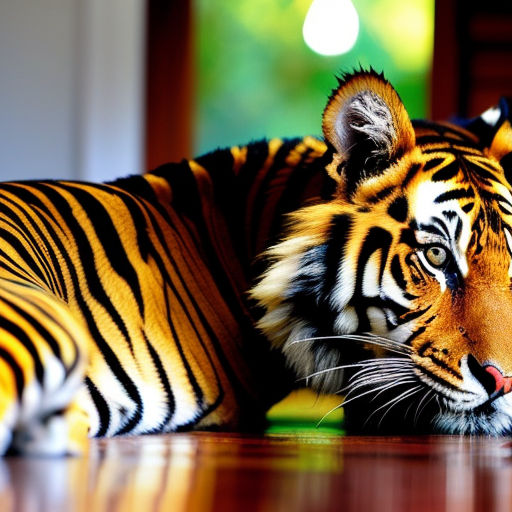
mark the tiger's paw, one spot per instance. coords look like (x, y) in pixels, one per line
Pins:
(62, 433)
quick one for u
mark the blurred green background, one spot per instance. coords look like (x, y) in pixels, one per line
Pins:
(258, 78)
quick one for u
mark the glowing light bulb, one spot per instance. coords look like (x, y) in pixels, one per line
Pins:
(331, 26)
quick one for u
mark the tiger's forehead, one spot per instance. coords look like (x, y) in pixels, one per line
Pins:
(453, 166)
(463, 194)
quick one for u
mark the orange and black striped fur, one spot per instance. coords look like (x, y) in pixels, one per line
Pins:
(124, 307)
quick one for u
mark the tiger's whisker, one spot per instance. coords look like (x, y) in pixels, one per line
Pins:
(373, 377)
(368, 365)
(391, 345)
(392, 401)
(395, 384)
(372, 390)
(378, 371)
(327, 414)
(398, 399)
(418, 410)
(334, 368)
(391, 379)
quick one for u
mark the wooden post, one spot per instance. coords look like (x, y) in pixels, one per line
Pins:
(169, 81)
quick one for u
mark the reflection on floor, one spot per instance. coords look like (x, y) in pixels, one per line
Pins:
(222, 472)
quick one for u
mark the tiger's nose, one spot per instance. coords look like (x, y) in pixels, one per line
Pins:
(490, 377)
(502, 383)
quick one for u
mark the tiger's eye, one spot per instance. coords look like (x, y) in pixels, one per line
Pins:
(436, 255)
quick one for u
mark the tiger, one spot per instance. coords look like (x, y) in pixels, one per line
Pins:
(375, 264)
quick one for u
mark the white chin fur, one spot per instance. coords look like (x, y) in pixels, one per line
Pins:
(494, 424)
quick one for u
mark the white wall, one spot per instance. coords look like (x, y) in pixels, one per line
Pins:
(71, 88)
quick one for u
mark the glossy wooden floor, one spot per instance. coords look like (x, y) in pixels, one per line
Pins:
(219, 472)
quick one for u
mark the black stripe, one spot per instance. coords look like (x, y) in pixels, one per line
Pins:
(27, 343)
(434, 162)
(506, 163)
(413, 314)
(335, 251)
(310, 295)
(426, 345)
(399, 209)
(382, 194)
(50, 318)
(458, 230)
(413, 170)
(111, 243)
(397, 274)
(439, 380)
(41, 265)
(180, 178)
(506, 211)
(162, 376)
(135, 185)
(442, 148)
(24, 255)
(20, 272)
(48, 338)
(458, 193)
(449, 214)
(376, 238)
(278, 163)
(16, 370)
(415, 334)
(443, 226)
(444, 366)
(447, 173)
(416, 271)
(42, 247)
(492, 196)
(482, 173)
(27, 197)
(101, 406)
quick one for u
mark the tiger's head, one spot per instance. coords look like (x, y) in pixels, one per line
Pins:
(397, 293)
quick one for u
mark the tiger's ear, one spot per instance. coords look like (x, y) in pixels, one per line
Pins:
(501, 145)
(367, 124)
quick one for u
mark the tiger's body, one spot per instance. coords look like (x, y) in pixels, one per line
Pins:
(150, 275)
(124, 306)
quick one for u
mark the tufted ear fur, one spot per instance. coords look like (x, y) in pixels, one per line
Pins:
(501, 144)
(367, 124)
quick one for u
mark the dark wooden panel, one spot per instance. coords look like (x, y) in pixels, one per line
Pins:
(472, 64)
(169, 81)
